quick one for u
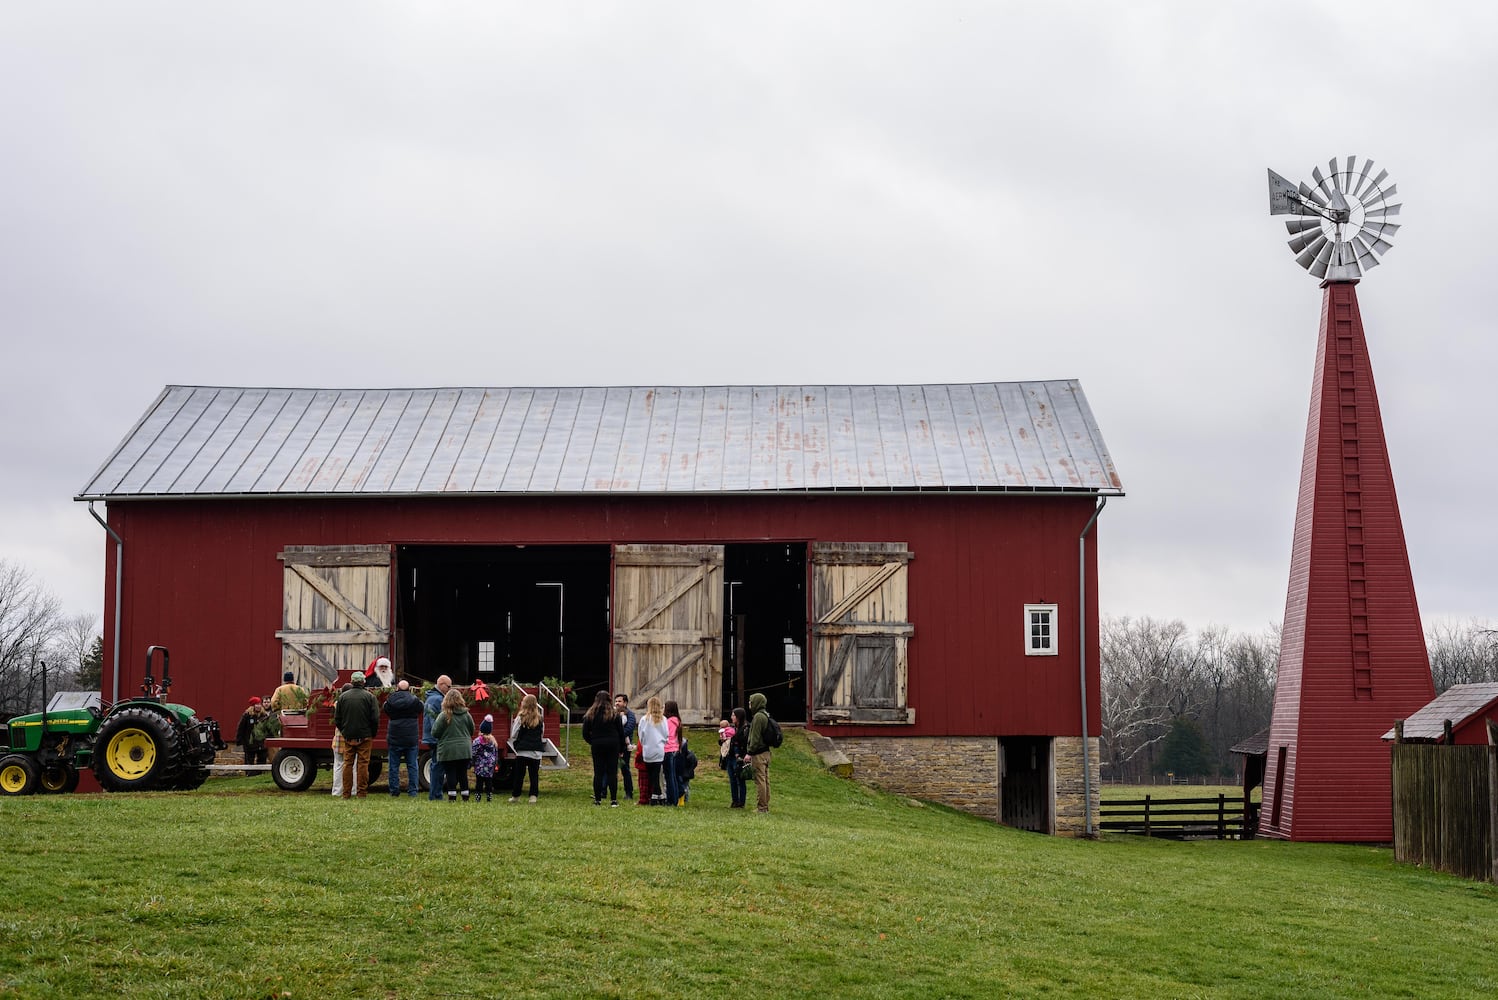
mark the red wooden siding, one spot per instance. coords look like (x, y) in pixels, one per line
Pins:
(202, 578)
(1352, 654)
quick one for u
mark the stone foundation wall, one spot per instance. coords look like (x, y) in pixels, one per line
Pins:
(957, 771)
(1066, 755)
(963, 772)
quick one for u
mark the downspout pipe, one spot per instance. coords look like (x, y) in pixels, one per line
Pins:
(119, 575)
(1082, 664)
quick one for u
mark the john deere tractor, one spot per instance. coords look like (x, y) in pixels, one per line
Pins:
(144, 744)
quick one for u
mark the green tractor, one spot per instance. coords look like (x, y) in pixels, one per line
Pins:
(144, 744)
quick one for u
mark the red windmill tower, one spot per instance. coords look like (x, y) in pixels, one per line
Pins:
(1352, 652)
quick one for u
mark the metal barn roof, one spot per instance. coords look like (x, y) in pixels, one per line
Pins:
(199, 441)
(1458, 703)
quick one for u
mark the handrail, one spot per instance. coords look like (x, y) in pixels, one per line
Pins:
(567, 717)
(566, 712)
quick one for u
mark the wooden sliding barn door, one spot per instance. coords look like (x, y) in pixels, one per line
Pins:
(335, 609)
(668, 627)
(859, 631)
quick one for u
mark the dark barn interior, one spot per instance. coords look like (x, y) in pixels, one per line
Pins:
(764, 604)
(488, 612)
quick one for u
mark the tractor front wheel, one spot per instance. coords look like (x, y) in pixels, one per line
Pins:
(136, 750)
(59, 777)
(18, 775)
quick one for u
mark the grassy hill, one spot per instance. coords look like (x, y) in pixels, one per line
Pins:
(240, 890)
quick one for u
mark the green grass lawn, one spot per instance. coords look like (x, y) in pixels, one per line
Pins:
(240, 890)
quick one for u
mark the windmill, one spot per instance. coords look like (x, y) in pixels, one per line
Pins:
(1352, 651)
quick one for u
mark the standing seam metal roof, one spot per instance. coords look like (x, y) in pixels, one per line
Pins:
(203, 441)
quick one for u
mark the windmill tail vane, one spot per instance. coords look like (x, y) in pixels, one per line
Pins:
(1342, 222)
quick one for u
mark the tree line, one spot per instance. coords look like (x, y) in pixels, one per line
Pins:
(34, 630)
(1176, 701)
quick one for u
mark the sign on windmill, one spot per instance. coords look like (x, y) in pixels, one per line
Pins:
(1343, 222)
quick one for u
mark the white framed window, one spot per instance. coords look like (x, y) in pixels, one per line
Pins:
(486, 657)
(1040, 630)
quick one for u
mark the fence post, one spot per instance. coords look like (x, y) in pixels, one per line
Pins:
(1146, 815)
(1222, 819)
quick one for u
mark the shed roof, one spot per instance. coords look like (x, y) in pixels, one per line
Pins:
(201, 441)
(1458, 703)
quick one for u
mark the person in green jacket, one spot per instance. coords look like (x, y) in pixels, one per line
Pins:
(453, 733)
(759, 751)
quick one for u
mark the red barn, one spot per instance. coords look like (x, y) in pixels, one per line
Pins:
(910, 570)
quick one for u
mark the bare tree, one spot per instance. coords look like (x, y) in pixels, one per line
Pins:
(69, 661)
(1462, 654)
(1155, 672)
(1149, 672)
(30, 622)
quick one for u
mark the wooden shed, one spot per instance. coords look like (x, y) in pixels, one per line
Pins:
(1444, 772)
(911, 570)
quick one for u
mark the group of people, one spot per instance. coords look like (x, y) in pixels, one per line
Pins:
(455, 747)
(262, 719)
(653, 745)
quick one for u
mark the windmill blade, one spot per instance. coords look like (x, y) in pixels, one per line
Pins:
(1367, 248)
(1363, 177)
(1307, 257)
(1306, 239)
(1382, 211)
(1332, 166)
(1380, 178)
(1381, 196)
(1318, 268)
(1380, 228)
(1311, 194)
(1301, 225)
(1352, 166)
(1320, 180)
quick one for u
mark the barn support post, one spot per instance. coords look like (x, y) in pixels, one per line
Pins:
(1102, 502)
(119, 570)
(1492, 728)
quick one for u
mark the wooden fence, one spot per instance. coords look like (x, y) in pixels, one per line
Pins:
(1220, 817)
(1444, 801)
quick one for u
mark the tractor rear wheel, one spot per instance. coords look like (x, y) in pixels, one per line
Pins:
(18, 775)
(59, 777)
(293, 770)
(137, 750)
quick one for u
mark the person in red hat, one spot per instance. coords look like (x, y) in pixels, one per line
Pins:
(252, 743)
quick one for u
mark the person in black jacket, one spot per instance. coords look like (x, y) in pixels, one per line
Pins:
(626, 765)
(604, 733)
(404, 710)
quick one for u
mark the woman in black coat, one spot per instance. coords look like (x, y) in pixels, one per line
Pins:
(604, 733)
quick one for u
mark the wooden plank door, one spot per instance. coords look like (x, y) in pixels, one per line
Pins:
(860, 632)
(335, 611)
(668, 626)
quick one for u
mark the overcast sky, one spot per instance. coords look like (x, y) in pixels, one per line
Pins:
(779, 193)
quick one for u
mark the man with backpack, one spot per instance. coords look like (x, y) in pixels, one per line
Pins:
(764, 733)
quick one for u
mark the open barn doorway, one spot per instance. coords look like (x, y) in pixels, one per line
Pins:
(492, 611)
(1026, 790)
(764, 629)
